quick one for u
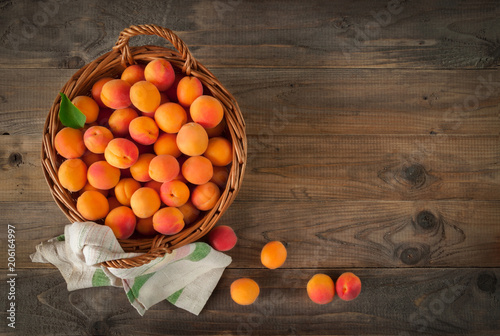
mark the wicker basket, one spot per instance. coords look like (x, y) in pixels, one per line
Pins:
(111, 65)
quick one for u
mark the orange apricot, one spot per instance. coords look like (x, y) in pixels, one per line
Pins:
(88, 157)
(97, 88)
(88, 107)
(219, 151)
(72, 174)
(206, 111)
(155, 185)
(190, 212)
(92, 205)
(122, 222)
(170, 117)
(121, 153)
(102, 175)
(174, 193)
(89, 186)
(188, 89)
(96, 138)
(113, 202)
(217, 130)
(145, 96)
(197, 170)
(125, 189)
(120, 119)
(192, 139)
(145, 202)
(116, 94)
(205, 196)
(244, 291)
(145, 226)
(69, 143)
(140, 169)
(348, 286)
(164, 168)
(168, 221)
(273, 254)
(133, 74)
(167, 144)
(144, 130)
(220, 176)
(320, 289)
(161, 73)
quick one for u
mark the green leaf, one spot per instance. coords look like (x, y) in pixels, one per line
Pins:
(69, 114)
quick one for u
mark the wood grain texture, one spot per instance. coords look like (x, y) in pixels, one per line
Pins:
(309, 101)
(316, 168)
(324, 234)
(321, 33)
(403, 302)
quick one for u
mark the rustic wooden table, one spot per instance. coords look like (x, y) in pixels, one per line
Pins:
(374, 147)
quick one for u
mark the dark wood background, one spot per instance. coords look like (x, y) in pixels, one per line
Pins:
(374, 147)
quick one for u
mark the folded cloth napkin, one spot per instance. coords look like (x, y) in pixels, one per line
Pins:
(186, 277)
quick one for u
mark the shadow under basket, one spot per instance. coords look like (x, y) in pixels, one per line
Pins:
(112, 64)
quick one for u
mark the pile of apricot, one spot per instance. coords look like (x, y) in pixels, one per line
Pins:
(152, 156)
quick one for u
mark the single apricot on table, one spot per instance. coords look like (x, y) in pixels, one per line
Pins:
(320, 289)
(244, 291)
(273, 254)
(222, 238)
(348, 286)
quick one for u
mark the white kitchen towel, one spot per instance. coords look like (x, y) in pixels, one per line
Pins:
(186, 277)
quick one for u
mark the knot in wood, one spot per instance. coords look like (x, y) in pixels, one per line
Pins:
(411, 256)
(415, 175)
(15, 159)
(487, 282)
(426, 220)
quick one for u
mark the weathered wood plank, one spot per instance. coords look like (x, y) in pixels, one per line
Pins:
(323, 234)
(382, 33)
(392, 302)
(336, 167)
(308, 101)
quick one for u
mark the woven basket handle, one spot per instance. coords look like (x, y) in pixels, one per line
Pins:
(123, 47)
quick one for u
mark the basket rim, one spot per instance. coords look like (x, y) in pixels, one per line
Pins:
(112, 63)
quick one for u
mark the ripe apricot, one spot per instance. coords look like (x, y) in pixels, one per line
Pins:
(348, 286)
(222, 238)
(140, 169)
(220, 176)
(89, 186)
(205, 196)
(88, 157)
(144, 130)
(206, 111)
(145, 226)
(192, 139)
(145, 96)
(219, 151)
(115, 94)
(164, 168)
(273, 254)
(73, 174)
(174, 193)
(161, 73)
(113, 202)
(190, 212)
(92, 205)
(125, 189)
(96, 139)
(188, 89)
(121, 153)
(88, 107)
(120, 119)
(155, 185)
(167, 144)
(145, 202)
(97, 88)
(122, 222)
(69, 143)
(133, 74)
(244, 291)
(170, 117)
(102, 175)
(168, 221)
(197, 170)
(320, 289)
(217, 130)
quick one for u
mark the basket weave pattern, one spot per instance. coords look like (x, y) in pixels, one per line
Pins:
(112, 64)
